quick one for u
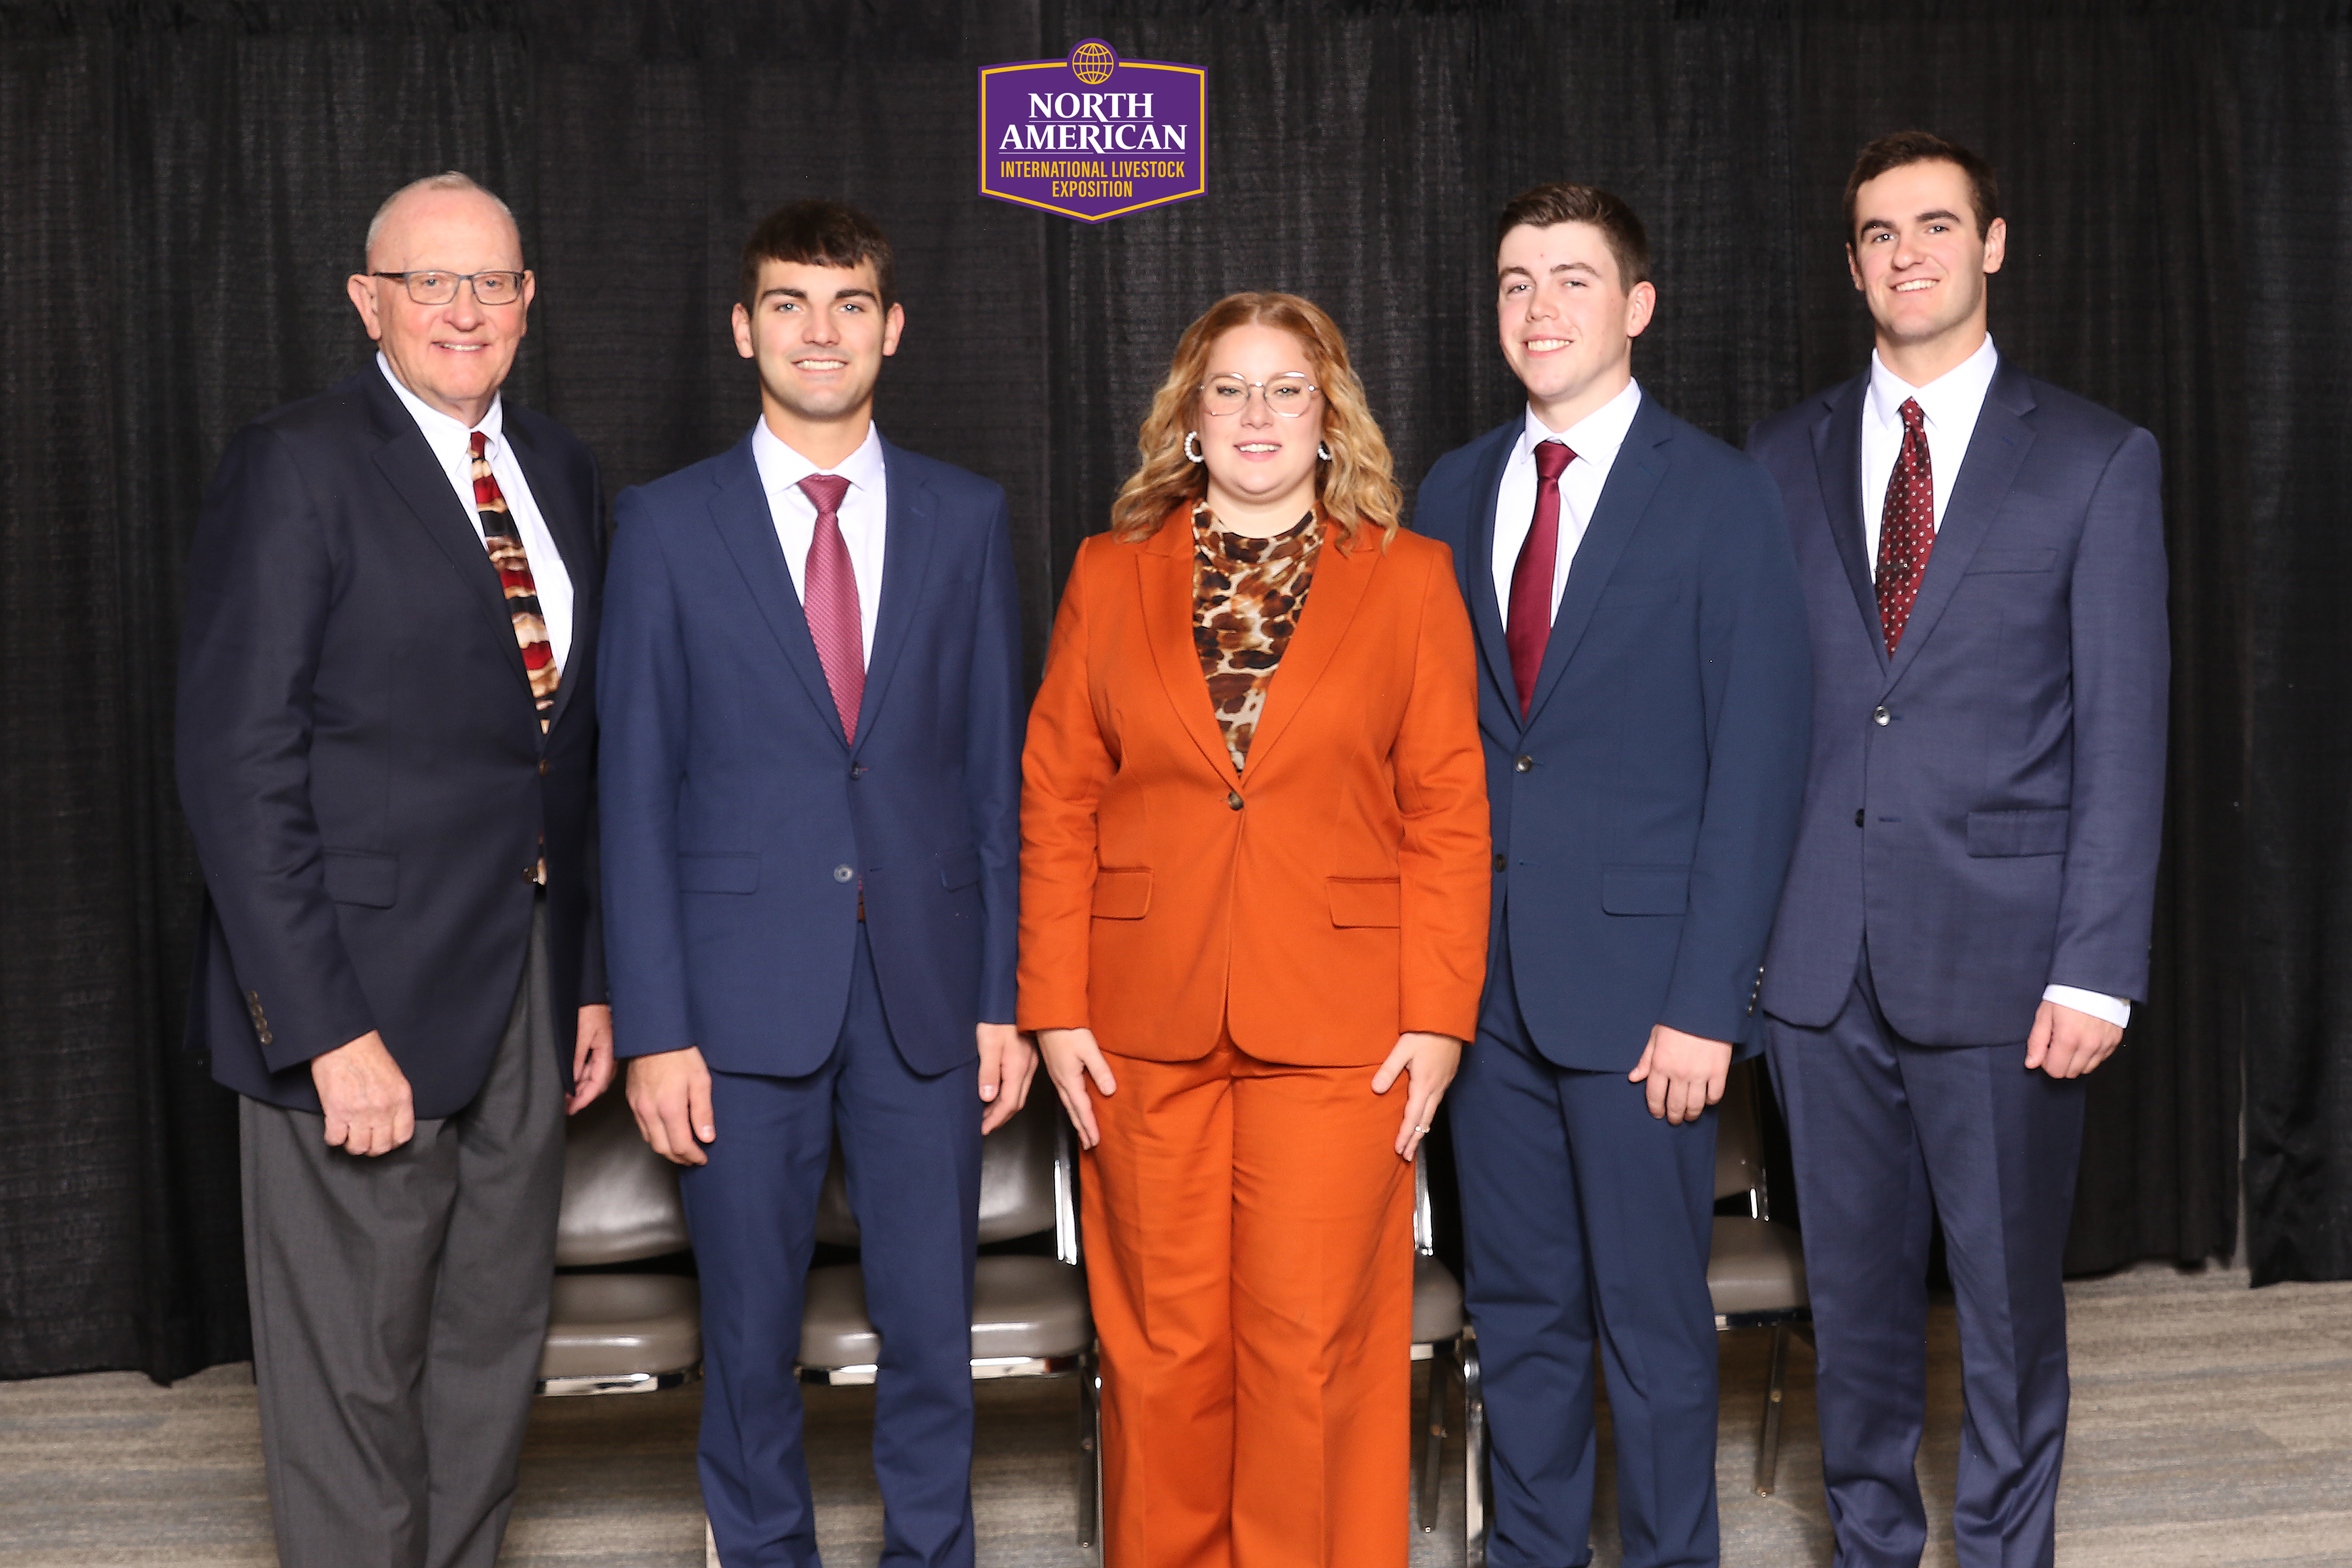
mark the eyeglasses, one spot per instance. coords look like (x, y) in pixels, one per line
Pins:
(1289, 396)
(440, 288)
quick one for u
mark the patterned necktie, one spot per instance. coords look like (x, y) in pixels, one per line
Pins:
(503, 538)
(1530, 625)
(829, 595)
(1907, 527)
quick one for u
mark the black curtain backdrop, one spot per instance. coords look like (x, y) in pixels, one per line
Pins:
(183, 189)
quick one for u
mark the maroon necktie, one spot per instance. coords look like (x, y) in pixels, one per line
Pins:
(1530, 625)
(1907, 527)
(829, 595)
(502, 536)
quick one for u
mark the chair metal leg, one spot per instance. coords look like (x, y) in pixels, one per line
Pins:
(1474, 1456)
(1089, 1449)
(1433, 1450)
(1768, 1447)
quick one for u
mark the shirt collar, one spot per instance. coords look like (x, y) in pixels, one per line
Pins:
(1595, 438)
(441, 433)
(782, 466)
(1952, 400)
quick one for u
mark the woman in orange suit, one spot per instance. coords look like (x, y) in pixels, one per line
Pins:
(1254, 882)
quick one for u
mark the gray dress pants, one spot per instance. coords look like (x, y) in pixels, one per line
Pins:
(399, 1304)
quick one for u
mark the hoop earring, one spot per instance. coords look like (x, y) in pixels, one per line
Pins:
(1193, 445)
(1323, 450)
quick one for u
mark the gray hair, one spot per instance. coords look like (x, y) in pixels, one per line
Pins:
(449, 180)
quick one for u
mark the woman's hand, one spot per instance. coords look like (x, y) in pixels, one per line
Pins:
(1428, 1061)
(1071, 1058)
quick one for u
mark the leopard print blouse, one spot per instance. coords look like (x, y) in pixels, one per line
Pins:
(1247, 596)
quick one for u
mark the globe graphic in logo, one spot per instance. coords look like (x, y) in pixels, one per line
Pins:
(1092, 62)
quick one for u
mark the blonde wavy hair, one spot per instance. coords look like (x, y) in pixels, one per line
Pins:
(1355, 491)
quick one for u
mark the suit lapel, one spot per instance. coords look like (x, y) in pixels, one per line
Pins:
(1341, 580)
(1164, 576)
(1633, 479)
(907, 550)
(739, 509)
(568, 521)
(1476, 567)
(406, 459)
(1997, 448)
(1837, 461)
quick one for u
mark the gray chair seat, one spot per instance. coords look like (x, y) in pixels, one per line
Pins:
(1755, 1266)
(604, 1324)
(1436, 1302)
(1031, 1308)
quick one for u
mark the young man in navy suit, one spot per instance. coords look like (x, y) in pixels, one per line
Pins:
(1643, 691)
(811, 777)
(1966, 920)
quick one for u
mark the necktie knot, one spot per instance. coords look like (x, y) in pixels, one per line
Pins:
(824, 491)
(1552, 458)
(478, 443)
(1914, 419)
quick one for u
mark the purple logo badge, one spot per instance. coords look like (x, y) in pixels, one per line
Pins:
(1093, 136)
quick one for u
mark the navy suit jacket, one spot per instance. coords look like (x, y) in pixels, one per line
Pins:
(739, 822)
(360, 756)
(1644, 809)
(1984, 808)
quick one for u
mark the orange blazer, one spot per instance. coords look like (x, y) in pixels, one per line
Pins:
(1325, 900)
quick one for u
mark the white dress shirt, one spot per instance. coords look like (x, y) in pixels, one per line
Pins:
(1594, 440)
(452, 443)
(864, 514)
(1948, 407)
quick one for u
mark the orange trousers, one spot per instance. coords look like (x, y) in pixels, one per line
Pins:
(1249, 1250)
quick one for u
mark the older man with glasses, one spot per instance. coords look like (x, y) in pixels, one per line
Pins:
(387, 741)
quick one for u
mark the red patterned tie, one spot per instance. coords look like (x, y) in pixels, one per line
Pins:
(1907, 527)
(829, 592)
(503, 538)
(1530, 625)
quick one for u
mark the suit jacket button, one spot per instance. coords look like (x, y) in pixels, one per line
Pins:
(1233, 799)
(842, 873)
(1880, 715)
(530, 872)
(1500, 861)
(1857, 816)
(1525, 765)
(542, 767)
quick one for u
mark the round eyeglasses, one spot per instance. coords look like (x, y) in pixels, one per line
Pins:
(440, 288)
(1290, 394)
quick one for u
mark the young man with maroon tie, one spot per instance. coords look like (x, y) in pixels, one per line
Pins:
(1967, 916)
(811, 786)
(1642, 693)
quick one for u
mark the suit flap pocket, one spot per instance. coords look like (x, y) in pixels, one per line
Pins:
(717, 873)
(362, 876)
(1122, 893)
(958, 868)
(1993, 834)
(1365, 901)
(2012, 561)
(1645, 889)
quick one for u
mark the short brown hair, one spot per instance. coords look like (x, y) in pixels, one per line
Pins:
(1557, 203)
(818, 233)
(1924, 147)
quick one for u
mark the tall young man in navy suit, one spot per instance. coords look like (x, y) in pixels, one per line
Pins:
(1966, 922)
(1643, 694)
(811, 778)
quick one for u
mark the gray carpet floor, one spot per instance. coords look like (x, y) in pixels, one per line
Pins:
(2212, 1425)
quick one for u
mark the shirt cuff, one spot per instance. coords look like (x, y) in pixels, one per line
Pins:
(2114, 1009)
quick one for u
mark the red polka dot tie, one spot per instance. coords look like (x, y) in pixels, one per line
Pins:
(829, 589)
(1907, 527)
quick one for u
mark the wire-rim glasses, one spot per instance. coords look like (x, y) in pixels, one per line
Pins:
(1289, 394)
(440, 288)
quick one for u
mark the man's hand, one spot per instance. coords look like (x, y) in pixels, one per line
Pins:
(669, 1092)
(369, 1109)
(2068, 1044)
(1071, 1058)
(1684, 1072)
(592, 1057)
(1006, 1063)
(1429, 1063)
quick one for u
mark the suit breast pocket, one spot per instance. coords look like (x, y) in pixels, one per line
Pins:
(1987, 563)
(1639, 594)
